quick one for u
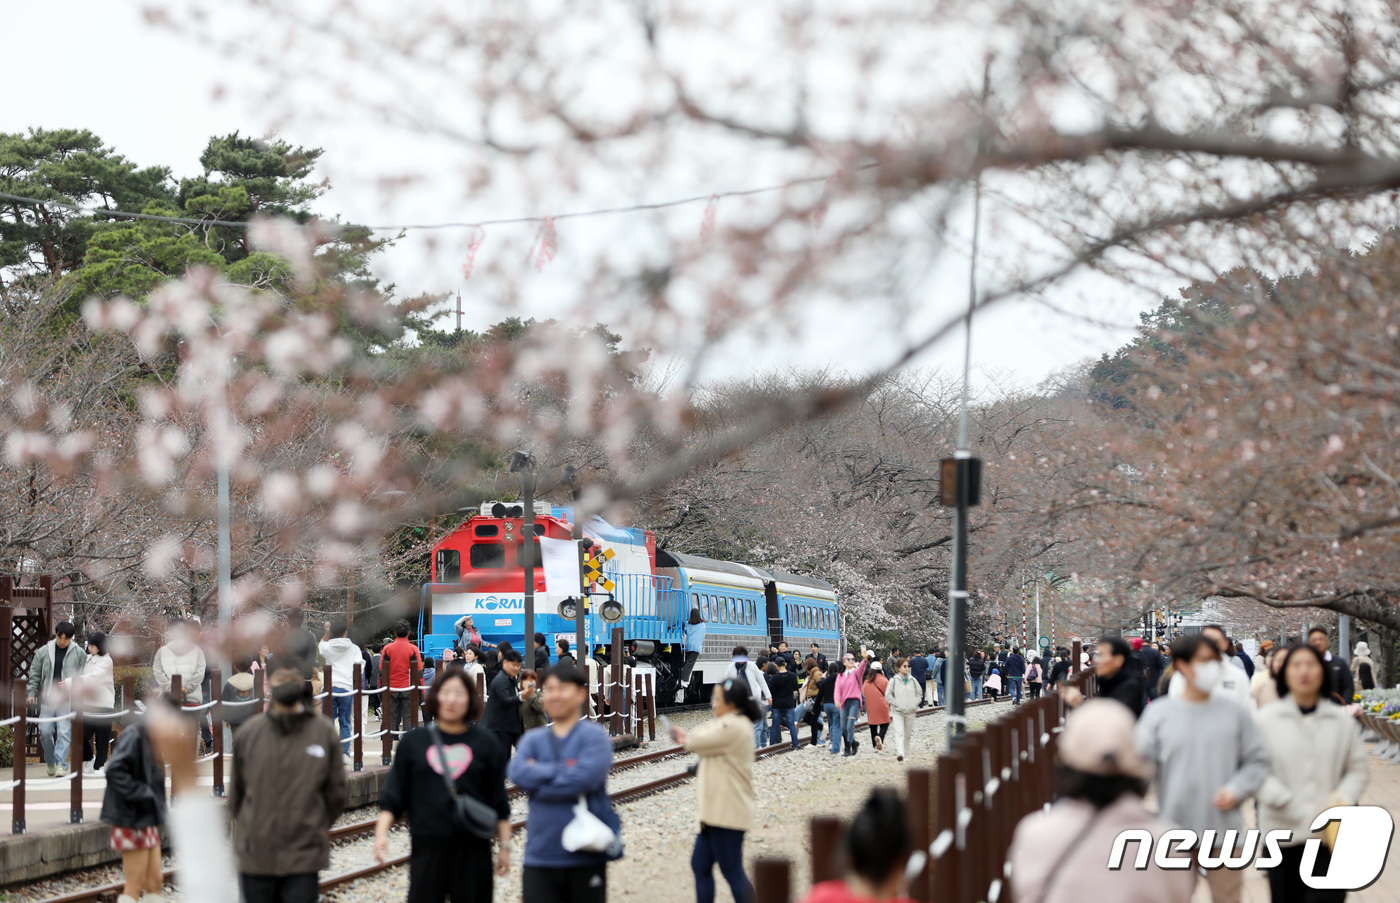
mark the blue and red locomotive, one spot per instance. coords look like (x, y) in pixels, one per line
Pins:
(476, 570)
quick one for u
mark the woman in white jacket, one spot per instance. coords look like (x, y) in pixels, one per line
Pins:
(903, 693)
(99, 698)
(1318, 762)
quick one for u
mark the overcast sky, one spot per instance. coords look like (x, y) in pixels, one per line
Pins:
(156, 99)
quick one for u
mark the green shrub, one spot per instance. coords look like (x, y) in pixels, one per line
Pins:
(7, 747)
(145, 681)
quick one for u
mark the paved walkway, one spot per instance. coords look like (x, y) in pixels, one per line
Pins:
(1382, 790)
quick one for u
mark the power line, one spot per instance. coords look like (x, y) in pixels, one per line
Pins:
(404, 227)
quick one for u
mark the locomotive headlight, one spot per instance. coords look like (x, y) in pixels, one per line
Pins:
(568, 609)
(611, 610)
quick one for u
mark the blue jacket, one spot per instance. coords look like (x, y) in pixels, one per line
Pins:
(1015, 666)
(554, 787)
(918, 668)
(695, 637)
(935, 669)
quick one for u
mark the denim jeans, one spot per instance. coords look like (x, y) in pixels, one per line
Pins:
(850, 714)
(55, 737)
(977, 687)
(725, 847)
(833, 725)
(760, 728)
(1015, 690)
(784, 717)
(343, 713)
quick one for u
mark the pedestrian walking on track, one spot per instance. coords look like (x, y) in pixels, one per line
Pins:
(849, 697)
(724, 789)
(449, 778)
(827, 699)
(877, 710)
(1318, 761)
(903, 696)
(288, 787)
(564, 766)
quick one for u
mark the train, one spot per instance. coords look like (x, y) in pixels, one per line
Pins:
(476, 569)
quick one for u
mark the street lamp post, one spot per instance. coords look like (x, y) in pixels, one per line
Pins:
(523, 464)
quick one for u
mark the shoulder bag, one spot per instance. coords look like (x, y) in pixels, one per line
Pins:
(468, 813)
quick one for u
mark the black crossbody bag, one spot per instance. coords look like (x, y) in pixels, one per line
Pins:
(468, 813)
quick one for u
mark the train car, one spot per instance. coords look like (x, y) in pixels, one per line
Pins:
(476, 570)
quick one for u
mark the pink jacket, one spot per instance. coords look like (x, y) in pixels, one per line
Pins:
(848, 684)
(1040, 843)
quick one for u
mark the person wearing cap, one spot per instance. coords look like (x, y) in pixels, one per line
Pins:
(1363, 669)
(1207, 753)
(1058, 855)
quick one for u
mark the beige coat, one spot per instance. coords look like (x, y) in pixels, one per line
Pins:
(1313, 757)
(1043, 839)
(724, 784)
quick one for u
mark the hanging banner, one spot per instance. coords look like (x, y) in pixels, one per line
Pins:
(560, 565)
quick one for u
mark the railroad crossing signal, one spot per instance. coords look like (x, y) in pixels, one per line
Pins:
(593, 569)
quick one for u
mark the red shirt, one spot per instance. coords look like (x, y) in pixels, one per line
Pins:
(838, 892)
(399, 655)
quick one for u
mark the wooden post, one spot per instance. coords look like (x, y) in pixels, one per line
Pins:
(975, 865)
(415, 676)
(357, 750)
(481, 686)
(1075, 651)
(328, 689)
(772, 880)
(259, 691)
(177, 689)
(75, 752)
(827, 858)
(616, 694)
(7, 634)
(20, 737)
(946, 881)
(920, 780)
(651, 706)
(386, 707)
(216, 695)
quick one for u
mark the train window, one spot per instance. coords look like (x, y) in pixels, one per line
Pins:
(488, 530)
(520, 555)
(753, 612)
(733, 613)
(488, 556)
(449, 566)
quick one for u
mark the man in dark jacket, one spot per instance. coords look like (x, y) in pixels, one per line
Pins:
(976, 670)
(783, 686)
(1343, 686)
(288, 788)
(1153, 664)
(541, 657)
(1119, 673)
(821, 659)
(918, 669)
(1059, 670)
(1015, 674)
(503, 703)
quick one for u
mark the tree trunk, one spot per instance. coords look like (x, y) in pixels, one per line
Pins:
(1385, 655)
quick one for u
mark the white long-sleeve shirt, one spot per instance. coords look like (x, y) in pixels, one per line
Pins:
(342, 655)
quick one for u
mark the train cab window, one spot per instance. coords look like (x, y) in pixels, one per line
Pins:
(488, 556)
(449, 566)
(520, 555)
(488, 530)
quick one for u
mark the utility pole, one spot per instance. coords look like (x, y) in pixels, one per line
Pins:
(1037, 613)
(580, 638)
(524, 464)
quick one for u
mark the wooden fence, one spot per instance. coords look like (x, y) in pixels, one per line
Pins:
(963, 813)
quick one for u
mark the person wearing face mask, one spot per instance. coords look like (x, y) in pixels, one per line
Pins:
(1233, 683)
(288, 787)
(1207, 753)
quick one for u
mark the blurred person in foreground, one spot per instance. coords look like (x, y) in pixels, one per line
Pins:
(724, 789)
(878, 846)
(1232, 683)
(1059, 855)
(1318, 761)
(447, 858)
(1207, 753)
(134, 808)
(556, 765)
(288, 787)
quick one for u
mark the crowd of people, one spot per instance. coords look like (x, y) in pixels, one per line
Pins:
(1199, 718)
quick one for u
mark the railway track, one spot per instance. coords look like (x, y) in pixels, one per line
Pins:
(360, 829)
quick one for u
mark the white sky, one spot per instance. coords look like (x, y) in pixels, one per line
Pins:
(157, 100)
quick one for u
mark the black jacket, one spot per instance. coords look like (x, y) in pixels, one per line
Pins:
(1058, 672)
(416, 789)
(976, 667)
(826, 690)
(1125, 686)
(135, 796)
(541, 662)
(783, 686)
(1342, 683)
(1153, 664)
(503, 706)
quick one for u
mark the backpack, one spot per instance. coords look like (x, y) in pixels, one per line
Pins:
(243, 712)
